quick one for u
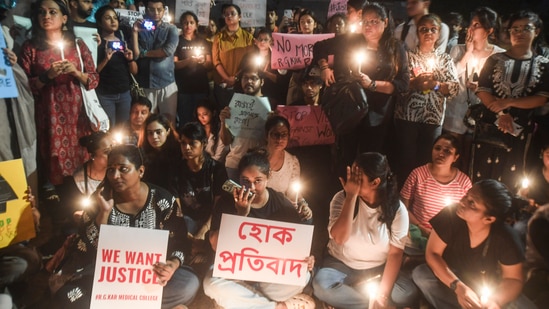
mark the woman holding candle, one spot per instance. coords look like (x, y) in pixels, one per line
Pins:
(193, 60)
(368, 229)
(418, 118)
(471, 248)
(55, 81)
(511, 85)
(469, 59)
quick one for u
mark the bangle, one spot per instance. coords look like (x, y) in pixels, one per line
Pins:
(372, 86)
(437, 87)
(44, 78)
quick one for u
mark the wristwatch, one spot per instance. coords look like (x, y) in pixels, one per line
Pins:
(453, 285)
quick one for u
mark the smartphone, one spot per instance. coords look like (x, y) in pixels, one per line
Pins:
(289, 14)
(230, 185)
(116, 45)
(148, 24)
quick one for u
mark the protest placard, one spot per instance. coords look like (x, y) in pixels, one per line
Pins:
(128, 17)
(337, 6)
(8, 88)
(294, 51)
(262, 250)
(16, 222)
(309, 125)
(248, 116)
(87, 35)
(123, 268)
(200, 7)
(254, 12)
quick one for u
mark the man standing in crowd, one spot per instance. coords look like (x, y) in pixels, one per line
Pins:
(272, 18)
(80, 11)
(407, 31)
(154, 45)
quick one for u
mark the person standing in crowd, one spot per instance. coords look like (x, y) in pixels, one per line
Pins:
(154, 45)
(511, 85)
(469, 59)
(474, 259)
(407, 31)
(354, 14)
(211, 30)
(418, 118)
(55, 76)
(272, 18)
(455, 25)
(193, 60)
(368, 229)
(228, 48)
(385, 76)
(80, 10)
(337, 24)
(115, 63)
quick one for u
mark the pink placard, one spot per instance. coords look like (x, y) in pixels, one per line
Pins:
(294, 51)
(337, 6)
(309, 125)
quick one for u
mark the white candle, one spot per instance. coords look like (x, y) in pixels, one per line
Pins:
(431, 64)
(371, 287)
(60, 44)
(525, 183)
(485, 294)
(352, 28)
(296, 186)
(474, 63)
(359, 57)
(258, 61)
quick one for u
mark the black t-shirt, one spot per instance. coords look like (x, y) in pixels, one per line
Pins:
(115, 76)
(193, 78)
(197, 190)
(502, 247)
(277, 208)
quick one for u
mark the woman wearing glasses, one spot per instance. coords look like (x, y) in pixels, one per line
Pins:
(418, 118)
(511, 85)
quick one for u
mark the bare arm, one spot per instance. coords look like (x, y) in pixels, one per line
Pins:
(390, 274)
(341, 229)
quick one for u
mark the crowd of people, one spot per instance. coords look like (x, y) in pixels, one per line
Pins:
(456, 118)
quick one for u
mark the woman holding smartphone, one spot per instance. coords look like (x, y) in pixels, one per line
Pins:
(114, 64)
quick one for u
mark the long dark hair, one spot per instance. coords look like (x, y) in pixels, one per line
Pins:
(38, 39)
(99, 19)
(193, 15)
(539, 41)
(375, 165)
(214, 121)
(499, 201)
(172, 140)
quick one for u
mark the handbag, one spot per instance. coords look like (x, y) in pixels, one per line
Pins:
(96, 114)
(135, 89)
(345, 104)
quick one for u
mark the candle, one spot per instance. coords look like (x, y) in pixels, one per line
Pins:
(86, 202)
(359, 57)
(474, 63)
(352, 28)
(525, 183)
(118, 138)
(447, 201)
(258, 60)
(197, 52)
(296, 186)
(485, 294)
(431, 64)
(371, 287)
(60, 45)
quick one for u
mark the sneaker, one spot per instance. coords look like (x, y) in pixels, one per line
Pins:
(300, 301)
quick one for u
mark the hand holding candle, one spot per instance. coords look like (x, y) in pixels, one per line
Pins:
(371, 288)
(485, 294)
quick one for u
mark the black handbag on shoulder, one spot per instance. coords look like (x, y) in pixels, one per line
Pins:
(345, 104)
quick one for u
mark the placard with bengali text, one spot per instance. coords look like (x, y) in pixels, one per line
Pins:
(308, 125)
(248, 116)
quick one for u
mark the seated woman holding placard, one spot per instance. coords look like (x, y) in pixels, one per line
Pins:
(124, 200)
(255, 200)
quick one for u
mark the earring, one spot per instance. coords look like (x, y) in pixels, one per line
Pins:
(65, 27)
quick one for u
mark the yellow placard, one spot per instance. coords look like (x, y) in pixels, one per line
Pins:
(16, 224)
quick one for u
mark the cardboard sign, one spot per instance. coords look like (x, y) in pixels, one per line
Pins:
(8, 88)
(308, 125)
(248, 116)
(16, 222)
(254, 12)
(87, 35)
(294, 51)
(128, 17)
(262, 250)
(337, 6)
(123, 269)
(200, 7)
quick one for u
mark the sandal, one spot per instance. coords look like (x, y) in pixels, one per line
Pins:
(300, 301)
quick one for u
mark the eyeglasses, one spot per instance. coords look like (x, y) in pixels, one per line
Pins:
(524, 29)
(425, 30)
(230, 14)
(277, 135)
(373, 22)
(250, 78)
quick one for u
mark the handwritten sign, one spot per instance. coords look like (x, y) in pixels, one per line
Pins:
(128, 17)
(200, 7)
(123, 271)
(337, 6)
(16, 222)
(248, 116)
(262, 250)
(87, 35)
(253, 12)
(309, 125)
(8, 88)
(294, 51)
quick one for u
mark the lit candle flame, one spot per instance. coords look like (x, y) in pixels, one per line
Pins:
(61, 46)
(431, 64)
(474, 63)
(118, 137)
(359, 57)
(86, 202)
(447, 201)
(258, 60)
(485, 294)
(352, 28)
(525, 183)
(296, 186)
(371, 289)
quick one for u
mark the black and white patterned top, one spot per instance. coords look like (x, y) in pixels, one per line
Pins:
(428, 107)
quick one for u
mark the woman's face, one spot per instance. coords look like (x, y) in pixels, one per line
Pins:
(101, 155)
(204, 115)
(471, 207)
(545, 158)
(263, 41)
(50, 16)
(109, 21)
(156, 134)
(138, 115)
(307, 24)
(522, 33)
(122, 174)
(188, 24)
(252, 177)
(191, 149)
(232, 18)
(477, 31)
(212, 27)
(372, 26)
(337, 26)
(428, 34)
(278, 137)
(444, 153)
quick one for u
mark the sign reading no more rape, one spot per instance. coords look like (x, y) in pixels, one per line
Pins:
(309, 125)
(294, 51)
(123, 270)
(262, 250)
(248, 116)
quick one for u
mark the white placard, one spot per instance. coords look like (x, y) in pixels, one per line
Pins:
(123, 270)
(262, 250)
(200, 7)
(8, 87)
(128, 17)
(87, 35)
(23, 21)
(254, 12)
(248, 116)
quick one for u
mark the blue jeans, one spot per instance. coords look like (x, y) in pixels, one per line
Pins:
(181, 288)
(186, 106)
(117, 106)
(345, 287)
(440, 296)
